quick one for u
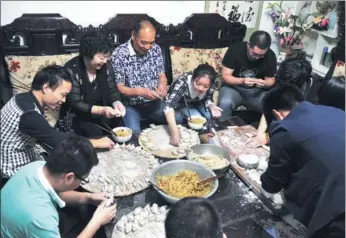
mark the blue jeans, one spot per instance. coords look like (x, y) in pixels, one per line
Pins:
(135, 113)
(194, 109)
(232, 97)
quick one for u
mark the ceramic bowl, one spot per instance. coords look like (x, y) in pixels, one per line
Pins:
(196, 126)
(121, 139)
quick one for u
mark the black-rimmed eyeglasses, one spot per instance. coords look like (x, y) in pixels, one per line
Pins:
(83, 181)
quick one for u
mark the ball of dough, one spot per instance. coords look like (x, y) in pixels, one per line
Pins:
(248, 161)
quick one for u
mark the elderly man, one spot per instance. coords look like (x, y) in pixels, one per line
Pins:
(23, 124)
(140, 76)
(307, 160)
(248, 71)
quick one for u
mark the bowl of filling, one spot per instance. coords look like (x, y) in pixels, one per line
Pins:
(214, 157)
(122, 134)
(177, 179)
(196, 122)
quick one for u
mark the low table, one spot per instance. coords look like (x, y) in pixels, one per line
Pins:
(243, 213)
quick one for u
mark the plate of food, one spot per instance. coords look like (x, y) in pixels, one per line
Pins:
(156, 141)
(122, 171)
(143, 222)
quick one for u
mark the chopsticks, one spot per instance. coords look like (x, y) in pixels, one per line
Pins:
(107, 129)
(101, 127)
(210, 179)
(187, 107)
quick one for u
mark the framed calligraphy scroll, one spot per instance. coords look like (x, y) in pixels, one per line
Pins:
(244, 12)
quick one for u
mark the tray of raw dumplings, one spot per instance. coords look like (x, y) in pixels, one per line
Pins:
(122, 171)
(156, 141)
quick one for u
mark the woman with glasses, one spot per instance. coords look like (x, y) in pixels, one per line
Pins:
(93, 98)
(247, 73)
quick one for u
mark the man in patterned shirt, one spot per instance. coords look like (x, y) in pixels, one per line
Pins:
(140, 76)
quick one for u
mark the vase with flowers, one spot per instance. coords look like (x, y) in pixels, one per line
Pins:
(287, 27)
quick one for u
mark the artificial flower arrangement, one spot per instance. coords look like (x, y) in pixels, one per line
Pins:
(287, 27)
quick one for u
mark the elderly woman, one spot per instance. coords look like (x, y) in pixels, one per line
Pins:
(94, 98)
(196, 91)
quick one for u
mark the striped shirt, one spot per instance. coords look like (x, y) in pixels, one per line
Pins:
(183, 87)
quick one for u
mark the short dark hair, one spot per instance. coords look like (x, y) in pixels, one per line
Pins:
(332, 92)
(261, 39)
(74, 154)
(93, 43)
(193, 217)
(281, 98)
(140, 24)
(294, 71)
(54, 75)
(205, 70)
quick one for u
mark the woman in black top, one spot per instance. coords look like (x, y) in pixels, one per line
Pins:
(94, 96)
(197, 89)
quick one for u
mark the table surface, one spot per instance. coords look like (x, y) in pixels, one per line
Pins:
(243, 213)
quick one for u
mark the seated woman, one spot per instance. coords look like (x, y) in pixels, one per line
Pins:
(196, 91)
(93, 98)
(332, 93)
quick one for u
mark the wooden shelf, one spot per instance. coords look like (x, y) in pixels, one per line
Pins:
(331, 33)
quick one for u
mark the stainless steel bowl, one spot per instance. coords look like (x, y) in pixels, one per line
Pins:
(207, 149)
(174, 166)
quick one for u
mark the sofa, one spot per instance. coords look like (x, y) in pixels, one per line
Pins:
(33, 41)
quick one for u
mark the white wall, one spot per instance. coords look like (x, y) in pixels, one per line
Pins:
(99, 12)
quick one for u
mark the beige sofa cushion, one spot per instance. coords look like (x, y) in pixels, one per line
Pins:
(187, 59)
(23, 69)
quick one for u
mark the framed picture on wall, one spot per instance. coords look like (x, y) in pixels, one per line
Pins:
(244, 12)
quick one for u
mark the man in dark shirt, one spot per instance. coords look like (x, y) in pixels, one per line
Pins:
(307, 160)
(23, 123)
(247, 73)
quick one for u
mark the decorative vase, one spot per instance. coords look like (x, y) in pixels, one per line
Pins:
(286, 49)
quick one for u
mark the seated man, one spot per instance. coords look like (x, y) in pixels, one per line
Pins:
(23, 123)
(307, 160)
(247, 73)
(30, 199)
(193, 217)
(293, 71)
(140, 76)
